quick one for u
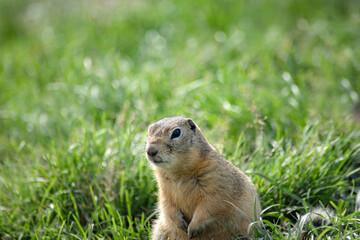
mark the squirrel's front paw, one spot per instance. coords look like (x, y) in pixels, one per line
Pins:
(184, 223)
(194, 230)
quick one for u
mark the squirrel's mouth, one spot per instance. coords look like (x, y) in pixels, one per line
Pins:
(156, 160)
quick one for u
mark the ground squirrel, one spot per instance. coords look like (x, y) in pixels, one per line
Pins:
(202, 196)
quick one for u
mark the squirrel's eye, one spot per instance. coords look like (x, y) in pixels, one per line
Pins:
(176, 133)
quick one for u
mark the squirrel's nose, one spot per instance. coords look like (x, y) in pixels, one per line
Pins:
(151, 151)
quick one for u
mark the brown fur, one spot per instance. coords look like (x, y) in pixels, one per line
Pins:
(202, 196)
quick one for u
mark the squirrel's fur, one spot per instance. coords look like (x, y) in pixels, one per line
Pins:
(202, 196)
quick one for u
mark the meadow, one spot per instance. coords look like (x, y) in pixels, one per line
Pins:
(274, 86)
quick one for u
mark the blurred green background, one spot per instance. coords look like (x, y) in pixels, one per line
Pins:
(273, 84)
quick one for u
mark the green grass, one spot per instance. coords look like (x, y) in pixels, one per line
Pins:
(274, 85)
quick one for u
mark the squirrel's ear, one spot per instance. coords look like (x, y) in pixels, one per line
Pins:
(192, 124)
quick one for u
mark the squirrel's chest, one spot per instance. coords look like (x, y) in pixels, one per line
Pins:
(185, 194)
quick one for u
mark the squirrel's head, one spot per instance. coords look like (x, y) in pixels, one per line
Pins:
(174, 143)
